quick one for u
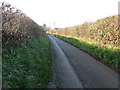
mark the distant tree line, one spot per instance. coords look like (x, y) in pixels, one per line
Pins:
(46, 28)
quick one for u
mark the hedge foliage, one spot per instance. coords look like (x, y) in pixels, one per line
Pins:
(105, 32)
(17, 27)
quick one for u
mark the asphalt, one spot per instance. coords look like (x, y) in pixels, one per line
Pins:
(73, 68)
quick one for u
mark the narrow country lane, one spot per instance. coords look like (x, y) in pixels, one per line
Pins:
(72, 68)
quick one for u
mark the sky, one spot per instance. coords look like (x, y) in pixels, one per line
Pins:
(65, 13)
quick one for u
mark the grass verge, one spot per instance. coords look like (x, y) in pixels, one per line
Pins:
(27, 66)
(109, 55)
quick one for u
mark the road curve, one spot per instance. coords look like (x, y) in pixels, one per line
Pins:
(72, 68)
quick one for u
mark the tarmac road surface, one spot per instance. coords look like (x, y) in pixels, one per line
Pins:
(73, 68)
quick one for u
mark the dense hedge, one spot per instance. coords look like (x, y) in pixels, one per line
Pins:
(17, 27)
(104, 31)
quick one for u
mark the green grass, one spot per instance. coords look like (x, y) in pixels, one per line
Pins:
(108, 55)
(27, 66)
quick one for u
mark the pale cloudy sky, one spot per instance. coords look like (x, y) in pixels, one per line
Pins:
(66, 12)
